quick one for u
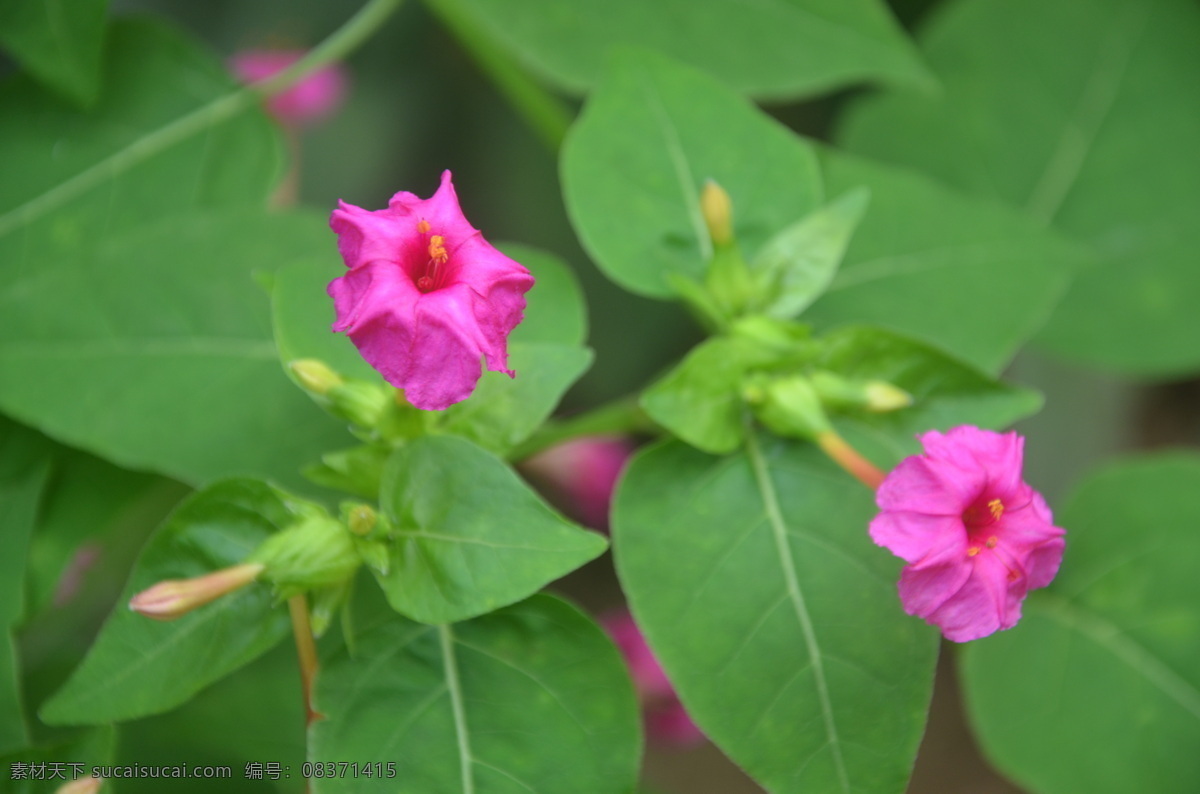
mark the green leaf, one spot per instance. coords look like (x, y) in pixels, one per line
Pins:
(800, 47)
(189, 379)
(1100, 145)
(75, 178)
(59, 41)
(533, 698)
(20, 494)
(255, 715)
(775, 616)
(1105, 657)
(140, 666)
(468, 535)
(971, 276)
(945, 392)
(800, 261)
(502, 412)
(634, 163)
(700, 400)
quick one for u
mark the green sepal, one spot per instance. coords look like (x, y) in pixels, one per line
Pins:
(316, 552)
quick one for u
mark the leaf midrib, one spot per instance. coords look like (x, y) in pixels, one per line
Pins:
(1110, 637)
(779, 531)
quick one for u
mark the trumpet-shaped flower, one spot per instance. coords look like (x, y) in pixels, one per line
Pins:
(975, 536)
(425, 296)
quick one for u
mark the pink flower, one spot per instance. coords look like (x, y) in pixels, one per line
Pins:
(665, 717)
(313, 98)
(976, 537)
(425, 295)
(583, 472)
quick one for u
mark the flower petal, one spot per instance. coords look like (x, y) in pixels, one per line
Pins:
(365, 236)
(921, 484)
(914, 536)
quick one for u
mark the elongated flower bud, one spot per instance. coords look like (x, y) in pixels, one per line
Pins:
(717, 209)
(174, 598)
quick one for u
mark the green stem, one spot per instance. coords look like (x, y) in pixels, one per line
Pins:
(548, 116)
(620, 417)
(340, 43)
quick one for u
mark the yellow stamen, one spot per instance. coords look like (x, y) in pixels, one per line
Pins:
(972, 551)
(423, 226)
(991, 542)
(437, 249)
(997, 508)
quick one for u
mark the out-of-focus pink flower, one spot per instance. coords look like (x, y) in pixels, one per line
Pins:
(76, 570)
(583, 472)
(311, 99)
(425, 295)
(666, 720)
(976, 537)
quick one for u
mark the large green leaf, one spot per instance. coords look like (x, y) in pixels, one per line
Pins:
(775, 616)
(634, 164)
(533, 698)
(1105, 659)
(254, 716)
(59, 41)
(468, 536)
(73, 178)
(153, 348)
(1084, 113)
(970, 276)
(800, 47)
(140, 666)
(24, 470)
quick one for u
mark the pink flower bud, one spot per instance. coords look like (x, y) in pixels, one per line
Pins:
(976, 537)
(175, 598)
(425, 295)
(665, 718)
(311, 99)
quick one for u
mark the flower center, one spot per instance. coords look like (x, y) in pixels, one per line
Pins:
(433, 271)
(978, 519)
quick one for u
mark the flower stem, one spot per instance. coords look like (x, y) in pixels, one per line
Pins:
(849, 459)
(548, 116)
(340, 43)
(306, 650)
(619, 417)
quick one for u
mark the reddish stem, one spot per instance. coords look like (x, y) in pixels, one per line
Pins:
(849, 459)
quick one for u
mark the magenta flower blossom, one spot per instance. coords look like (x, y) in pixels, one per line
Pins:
(425, 295)
(582, 473)
(976, 537)
(665, 718)
(312, 98)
